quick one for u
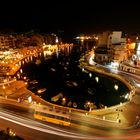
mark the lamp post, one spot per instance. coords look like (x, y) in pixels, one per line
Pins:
(4, 91)
(57, 43)
(63, 101)
(89, 105)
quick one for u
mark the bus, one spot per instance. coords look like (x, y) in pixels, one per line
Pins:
(61, 119)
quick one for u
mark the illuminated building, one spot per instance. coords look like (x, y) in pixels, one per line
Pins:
(111, 48)
(7, 41)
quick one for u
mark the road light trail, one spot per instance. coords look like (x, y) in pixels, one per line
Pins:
(47, 129)
(23, 121)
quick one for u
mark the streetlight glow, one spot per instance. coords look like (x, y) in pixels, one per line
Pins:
(97, 79)
(64, 99)
(116, 87)
(90, 75)
(3, 87)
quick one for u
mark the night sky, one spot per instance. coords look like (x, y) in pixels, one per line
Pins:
(70, 16)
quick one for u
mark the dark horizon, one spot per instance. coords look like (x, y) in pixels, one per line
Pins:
(70, 17)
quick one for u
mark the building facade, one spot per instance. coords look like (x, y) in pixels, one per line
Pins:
(111, 47)
(7, 41)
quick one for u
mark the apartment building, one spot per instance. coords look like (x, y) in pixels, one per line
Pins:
(111, 47)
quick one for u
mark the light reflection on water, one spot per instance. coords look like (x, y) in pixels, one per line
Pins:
(76, 86)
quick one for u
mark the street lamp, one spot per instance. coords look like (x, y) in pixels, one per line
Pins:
(90, 75)
(63, 101)
(97, 79)
(58, 49)
(116, 87)
(24, 77)
(26, 83)
(89, 105)
(4, 90)
(56, 40)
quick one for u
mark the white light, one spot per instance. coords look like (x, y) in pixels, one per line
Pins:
(3, 87)
(30, 99)
(88, 103)
(26, 83)
(114, 64)
(116, 87)
(138, 49)
(96, 38)
(56, 41)
(21, 70)
(90, 75)
(97, 79)
(83, 69)
(63, 99)
(126, 96)
(91, 62)
(77, 37)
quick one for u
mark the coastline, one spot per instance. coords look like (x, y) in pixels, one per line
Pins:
(17, 89)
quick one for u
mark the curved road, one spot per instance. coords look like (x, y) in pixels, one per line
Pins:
(21, 121)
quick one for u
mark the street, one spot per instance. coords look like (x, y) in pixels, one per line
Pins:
(21, 121)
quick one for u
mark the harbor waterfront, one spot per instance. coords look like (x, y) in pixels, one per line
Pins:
(70, 70)
(67, 85)
(17, 90)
